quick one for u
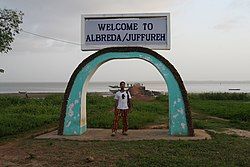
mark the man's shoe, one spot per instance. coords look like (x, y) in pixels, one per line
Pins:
(124, 133)
(113, 134)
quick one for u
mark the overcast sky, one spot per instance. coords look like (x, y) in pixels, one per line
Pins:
(210, 40)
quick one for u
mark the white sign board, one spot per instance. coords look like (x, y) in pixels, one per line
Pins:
(146, 30)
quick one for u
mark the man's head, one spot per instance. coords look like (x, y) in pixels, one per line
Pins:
(122, 84)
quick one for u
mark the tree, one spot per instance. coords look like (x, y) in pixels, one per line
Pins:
(10, 21)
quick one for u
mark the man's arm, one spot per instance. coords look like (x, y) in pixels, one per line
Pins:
(116, 103)
(130, 102)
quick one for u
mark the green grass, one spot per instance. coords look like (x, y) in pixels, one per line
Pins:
(214, 152)
(220, 96)
(99, 113)
(228, 109)
(235, 107)
(18, 115)
(202, 122)
(237, 113)
(222, 150)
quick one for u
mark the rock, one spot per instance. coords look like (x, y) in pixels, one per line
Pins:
(90, 159)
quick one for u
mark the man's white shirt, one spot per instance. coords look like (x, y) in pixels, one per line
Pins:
(122, 102)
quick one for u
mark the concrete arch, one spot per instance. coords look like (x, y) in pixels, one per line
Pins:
(73, 111)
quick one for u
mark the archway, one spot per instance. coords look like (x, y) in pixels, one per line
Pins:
(73, 112)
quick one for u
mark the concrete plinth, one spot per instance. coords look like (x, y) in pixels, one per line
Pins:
(133, 135)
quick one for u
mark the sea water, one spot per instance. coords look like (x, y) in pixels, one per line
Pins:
(191, 86)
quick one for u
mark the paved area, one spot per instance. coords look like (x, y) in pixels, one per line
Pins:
(142, 134)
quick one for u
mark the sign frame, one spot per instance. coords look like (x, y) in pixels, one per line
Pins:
(88, 47)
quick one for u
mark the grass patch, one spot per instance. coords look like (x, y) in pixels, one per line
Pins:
(235, 107)
(220, 96)
(99, 113)
(223, 150)
(18, 115)
(228, 109)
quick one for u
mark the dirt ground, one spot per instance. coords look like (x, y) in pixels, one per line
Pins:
(29, 151)
(232, 131)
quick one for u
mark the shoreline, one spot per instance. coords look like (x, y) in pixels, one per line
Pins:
(45, 94)
(104, 94)
(191, 87)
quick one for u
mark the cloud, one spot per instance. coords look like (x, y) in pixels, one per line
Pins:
(237, 16)
(38, 57)
(240, 4)
(131, 6)
(227, 24)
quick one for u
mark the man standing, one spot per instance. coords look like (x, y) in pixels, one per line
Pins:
(122, 108)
